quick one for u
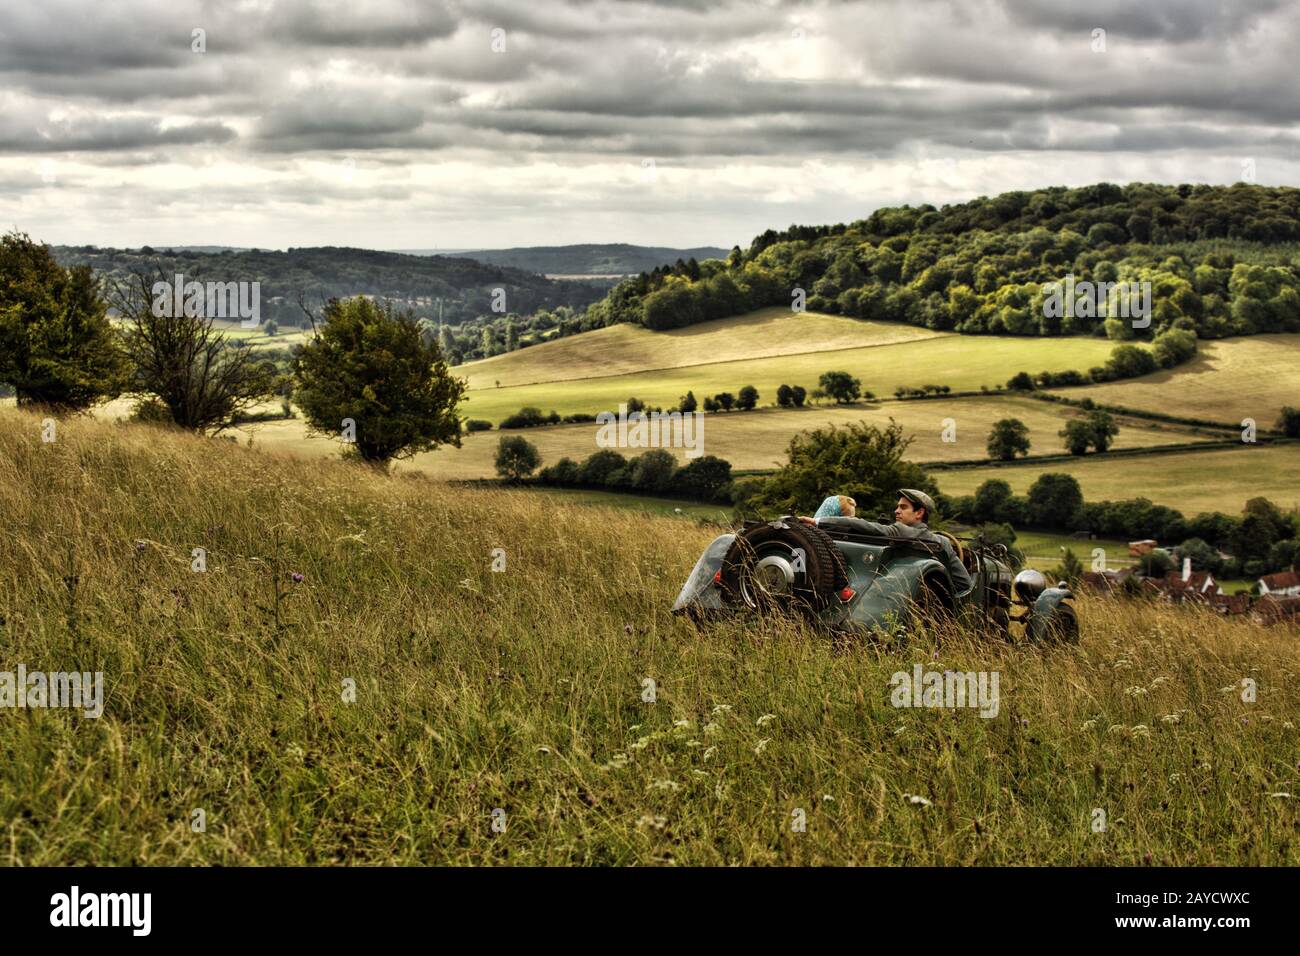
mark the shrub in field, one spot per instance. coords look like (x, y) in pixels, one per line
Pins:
(706, 478)
(1288, 423)
(1054, 501)
(206, 382)
(1008, 438)
(596, 470)
(531, 417)
(57, 348)
(517, 457)
(859, 460)
(370, 367)
(841, 386)
(477, 425)
(652, 471)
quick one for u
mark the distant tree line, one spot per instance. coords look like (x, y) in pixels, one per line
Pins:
(1262, 540)
(655, 472)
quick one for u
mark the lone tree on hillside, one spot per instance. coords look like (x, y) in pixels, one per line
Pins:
(747, 398)
(369, 377)
(1009, 438)
(517, 457)
(203, 380)
(57, 347)
(840, 386)
(1097, 431)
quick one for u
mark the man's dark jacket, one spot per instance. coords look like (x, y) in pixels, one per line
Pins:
(961, 579)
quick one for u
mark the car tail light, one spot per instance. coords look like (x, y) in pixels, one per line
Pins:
(717, 577)
(846, 595)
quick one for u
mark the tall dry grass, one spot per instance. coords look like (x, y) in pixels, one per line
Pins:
(522, 691)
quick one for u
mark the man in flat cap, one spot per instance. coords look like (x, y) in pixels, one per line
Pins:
(914, 508)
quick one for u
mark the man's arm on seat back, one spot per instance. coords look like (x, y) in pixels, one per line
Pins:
(853, 525)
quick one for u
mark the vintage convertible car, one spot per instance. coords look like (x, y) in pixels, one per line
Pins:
(847, 580)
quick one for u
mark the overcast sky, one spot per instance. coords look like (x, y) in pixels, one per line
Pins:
(493, 123)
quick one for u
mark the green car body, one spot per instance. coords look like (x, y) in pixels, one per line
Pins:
(888, 583)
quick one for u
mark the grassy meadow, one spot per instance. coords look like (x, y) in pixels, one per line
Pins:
(521, 691)
(623, 348)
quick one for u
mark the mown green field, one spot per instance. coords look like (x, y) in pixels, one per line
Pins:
(399, 698)
(1192, 482)
(1229, 380)
(622, 349)
(961, 362)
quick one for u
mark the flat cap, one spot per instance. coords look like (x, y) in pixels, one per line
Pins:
(918, 497)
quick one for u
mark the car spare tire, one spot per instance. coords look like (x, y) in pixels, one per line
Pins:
(783, 564)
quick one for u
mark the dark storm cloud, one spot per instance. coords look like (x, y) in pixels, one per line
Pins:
(724, 90)
(96, 134)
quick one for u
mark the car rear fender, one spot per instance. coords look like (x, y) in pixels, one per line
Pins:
(700, 590)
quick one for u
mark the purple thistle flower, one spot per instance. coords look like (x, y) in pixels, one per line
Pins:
(297, 577)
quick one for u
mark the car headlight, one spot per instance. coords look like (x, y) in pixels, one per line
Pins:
(1029, 584)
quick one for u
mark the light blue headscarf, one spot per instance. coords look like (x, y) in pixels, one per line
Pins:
(830, 508)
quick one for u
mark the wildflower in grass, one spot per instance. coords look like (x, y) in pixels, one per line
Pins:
(140, 546)
(1158, 681)
(762, 745)
(712, 728)
(721, 709)
(297, 577)
(765, 720)
(1287, 725)
(710, 752)
(699, 773)
(1135, 691)
(1284, 796)
(1170, 719)
(1230, 689)
(635, 727)
(916, 800)
(1089, 724)
(694, 743)
(1141, 730)
(1245, 720)
(640, 744)
(681, 724)
(1116, 729)
(827, 798)
(543, 750)
(671, 785)
(657, 822)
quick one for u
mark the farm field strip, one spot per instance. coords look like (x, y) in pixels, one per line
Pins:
(1219, 479)
(624, 349)
(961, 362)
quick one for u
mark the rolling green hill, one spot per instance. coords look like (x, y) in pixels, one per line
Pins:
(457, 288)
(603, 259)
